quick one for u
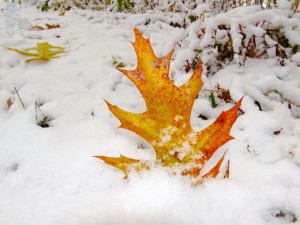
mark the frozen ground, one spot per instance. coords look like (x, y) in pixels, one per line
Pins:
(48, 175)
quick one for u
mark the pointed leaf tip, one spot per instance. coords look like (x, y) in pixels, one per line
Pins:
(216, 169)
(122, 163)
(136, 31)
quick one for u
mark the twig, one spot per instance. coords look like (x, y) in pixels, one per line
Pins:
(221, 91)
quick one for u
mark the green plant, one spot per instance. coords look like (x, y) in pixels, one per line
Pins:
(117, 62)
(45, 7)
(125, 5)
(295, 6)
(193, 18)
(212, 100)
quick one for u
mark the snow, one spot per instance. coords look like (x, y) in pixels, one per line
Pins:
(49, 175)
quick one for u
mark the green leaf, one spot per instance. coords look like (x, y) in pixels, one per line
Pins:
(212, 100)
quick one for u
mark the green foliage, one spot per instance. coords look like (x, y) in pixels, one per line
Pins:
(125, 5)
(54, 5)
(193, 18)
(295, 49)
(181, 6)
(295, 6)
(117, 62)
(212, 100)
(279, 36)
(225, 51)
(45, 7)
(285, 42)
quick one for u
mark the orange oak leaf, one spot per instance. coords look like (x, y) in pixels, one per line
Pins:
(166, 122)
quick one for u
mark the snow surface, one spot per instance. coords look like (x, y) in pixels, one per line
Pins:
(48, 175)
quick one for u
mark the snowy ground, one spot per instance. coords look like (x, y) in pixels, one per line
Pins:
(48, 175)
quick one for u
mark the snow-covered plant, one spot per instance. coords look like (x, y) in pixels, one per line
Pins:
(118, 62)
(132, 6)
(166, 122)
(125, 5)
(221, 6)
(250, 32)
(142, 6)
(216, 6)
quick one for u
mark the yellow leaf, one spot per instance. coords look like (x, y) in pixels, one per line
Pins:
(166, 122)
(36, 28)
(52, 26)
(44, 51)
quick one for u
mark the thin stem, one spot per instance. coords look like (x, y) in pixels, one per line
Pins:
(35, 107)
(281, 96)
(24, 107)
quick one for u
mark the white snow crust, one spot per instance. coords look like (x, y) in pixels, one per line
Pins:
(48, 176)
